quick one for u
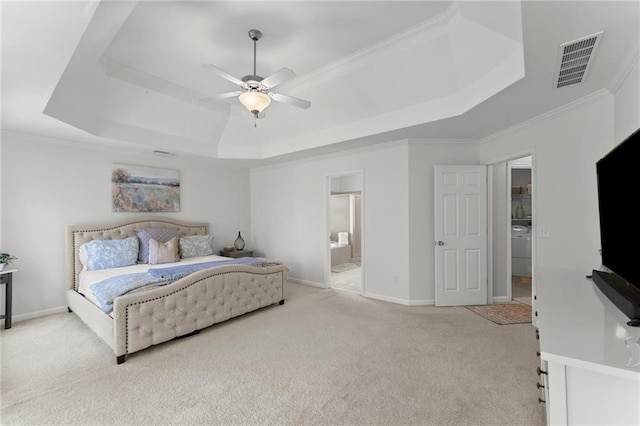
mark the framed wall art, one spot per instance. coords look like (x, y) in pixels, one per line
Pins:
(144, 189)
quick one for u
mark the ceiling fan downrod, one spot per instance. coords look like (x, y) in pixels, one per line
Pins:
(255, 35)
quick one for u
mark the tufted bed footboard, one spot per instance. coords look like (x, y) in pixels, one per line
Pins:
(150, 317)
(197, 301)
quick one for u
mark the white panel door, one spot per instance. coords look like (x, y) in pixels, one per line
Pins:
(461, 235)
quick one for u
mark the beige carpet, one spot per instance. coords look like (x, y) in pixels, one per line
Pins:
(324, 357)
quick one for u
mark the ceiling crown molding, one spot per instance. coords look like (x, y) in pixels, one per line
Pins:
(544, 116)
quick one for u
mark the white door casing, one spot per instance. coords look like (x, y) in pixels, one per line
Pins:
(460, 235)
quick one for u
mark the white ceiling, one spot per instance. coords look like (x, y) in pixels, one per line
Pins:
(129, 74)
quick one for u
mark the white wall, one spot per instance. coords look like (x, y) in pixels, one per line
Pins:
(567, 145)
(288, 216)
(346, 183)
(48, 185)
(627, 104)
(339, 215)
(423, 156)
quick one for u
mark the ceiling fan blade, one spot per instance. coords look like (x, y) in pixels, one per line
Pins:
(278, 77)
(221, 96)
(300, 103)
(224, 74)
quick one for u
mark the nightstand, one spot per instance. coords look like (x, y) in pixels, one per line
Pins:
(6, 278)
(237, 253)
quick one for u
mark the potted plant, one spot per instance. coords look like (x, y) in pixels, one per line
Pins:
(5, 259)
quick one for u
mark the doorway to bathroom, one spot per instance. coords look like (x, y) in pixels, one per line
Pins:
(521, 205)
(344, 228)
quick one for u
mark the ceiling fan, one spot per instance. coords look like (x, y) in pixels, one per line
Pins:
(256, 93)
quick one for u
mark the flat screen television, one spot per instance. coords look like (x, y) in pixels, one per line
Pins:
(618, 176)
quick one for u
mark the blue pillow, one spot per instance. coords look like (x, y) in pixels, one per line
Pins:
(104, 254)
(161, 235)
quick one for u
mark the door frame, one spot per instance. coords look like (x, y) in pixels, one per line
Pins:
(325, 242)
(490, 194)
(463, 298)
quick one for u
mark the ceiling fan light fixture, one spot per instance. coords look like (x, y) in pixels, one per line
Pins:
(254, 101)
(257, 91)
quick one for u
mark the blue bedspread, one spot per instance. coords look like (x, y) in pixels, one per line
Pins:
(107, 290)
(180, 271)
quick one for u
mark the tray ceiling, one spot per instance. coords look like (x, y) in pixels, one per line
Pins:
(130, 75)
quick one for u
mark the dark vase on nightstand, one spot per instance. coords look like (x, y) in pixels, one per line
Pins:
(239, 242)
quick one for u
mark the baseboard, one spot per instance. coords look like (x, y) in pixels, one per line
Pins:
(426, 302)
(38, 314)
(500, 299)
(311, 283)
(387, 298)
(372, 295)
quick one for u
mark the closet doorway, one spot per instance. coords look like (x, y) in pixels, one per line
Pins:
(344, 229)
(521, 208)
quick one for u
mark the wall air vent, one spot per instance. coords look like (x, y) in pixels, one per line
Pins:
(575, 59)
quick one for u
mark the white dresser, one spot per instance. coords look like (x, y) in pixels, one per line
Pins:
(590, 358)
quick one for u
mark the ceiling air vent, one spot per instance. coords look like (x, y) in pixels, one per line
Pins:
(574, 60)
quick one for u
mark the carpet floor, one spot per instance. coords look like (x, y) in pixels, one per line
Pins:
(325, 357)
(508, 313)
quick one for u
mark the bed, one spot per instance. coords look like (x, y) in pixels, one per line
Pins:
(150, 316)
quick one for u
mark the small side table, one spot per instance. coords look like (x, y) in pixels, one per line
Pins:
(237, 253)
(6, 278)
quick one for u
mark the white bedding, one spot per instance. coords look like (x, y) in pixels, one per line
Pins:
(88, 278)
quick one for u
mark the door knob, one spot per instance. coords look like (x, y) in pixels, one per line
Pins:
(440, 243)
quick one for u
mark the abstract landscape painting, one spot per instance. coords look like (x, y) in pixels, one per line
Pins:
(144, 189)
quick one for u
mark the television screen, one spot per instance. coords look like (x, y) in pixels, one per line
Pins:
(618, 184)
(620, 250)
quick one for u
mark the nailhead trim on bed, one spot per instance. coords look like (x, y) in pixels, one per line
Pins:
(251, 300)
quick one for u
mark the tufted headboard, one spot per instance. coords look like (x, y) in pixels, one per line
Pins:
(80, 234)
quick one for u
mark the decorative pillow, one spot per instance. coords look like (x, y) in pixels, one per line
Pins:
(163, 252)
(196, 245)
(82, 255)
(103, 254)
(161, 235)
